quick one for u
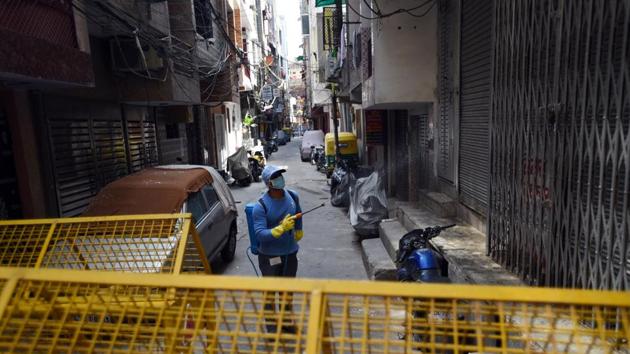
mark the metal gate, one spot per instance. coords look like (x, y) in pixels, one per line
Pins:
(446, 92)
(560, 165)
(142, 142)
(474, 103)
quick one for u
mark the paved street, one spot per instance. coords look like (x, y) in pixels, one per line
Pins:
(328, 249)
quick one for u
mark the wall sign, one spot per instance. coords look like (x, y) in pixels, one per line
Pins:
(374, 127)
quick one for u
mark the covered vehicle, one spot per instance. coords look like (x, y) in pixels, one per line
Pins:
(348, 150)
(310, 139)
(238, 165)
(199, 190)
(282, 137)
(368, 204)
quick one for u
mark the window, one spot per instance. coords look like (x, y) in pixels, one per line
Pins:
(196, 205)
(203, 18)
(172, 130)
(211, 195)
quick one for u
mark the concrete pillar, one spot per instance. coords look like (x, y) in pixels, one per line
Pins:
(26, 153)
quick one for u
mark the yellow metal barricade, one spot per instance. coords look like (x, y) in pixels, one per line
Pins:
(161, 243)
(50, 310)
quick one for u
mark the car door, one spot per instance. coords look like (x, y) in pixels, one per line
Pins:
(196, 205)
(221, 225)
(214, 233)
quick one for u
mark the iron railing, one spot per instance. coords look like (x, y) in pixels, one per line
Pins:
(560, 165)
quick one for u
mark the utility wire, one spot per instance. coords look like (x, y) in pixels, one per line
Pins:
(380, 15)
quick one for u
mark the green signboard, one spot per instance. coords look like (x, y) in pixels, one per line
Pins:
(320, 3)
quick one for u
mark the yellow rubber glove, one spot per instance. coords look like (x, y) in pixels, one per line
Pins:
(287, 224)
(299, 234)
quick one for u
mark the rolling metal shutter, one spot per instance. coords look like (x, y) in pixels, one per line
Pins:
(142, 141)
(87, 145)
(445, 123)
(90, 146)
(475, 66)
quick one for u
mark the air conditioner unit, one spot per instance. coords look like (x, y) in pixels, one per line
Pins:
(126, 56)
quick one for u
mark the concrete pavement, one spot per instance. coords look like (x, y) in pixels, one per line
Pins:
(329, 248)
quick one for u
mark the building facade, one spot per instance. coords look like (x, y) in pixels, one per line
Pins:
(119, 86)
(517, 124)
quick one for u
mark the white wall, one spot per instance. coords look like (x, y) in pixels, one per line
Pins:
(405, 57)
(319, 94)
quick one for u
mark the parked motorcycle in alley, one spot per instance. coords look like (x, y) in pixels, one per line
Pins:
(268, 148)
(417, 261)
(318, 157)
(256, 164)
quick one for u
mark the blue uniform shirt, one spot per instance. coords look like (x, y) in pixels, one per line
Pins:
(277, 209)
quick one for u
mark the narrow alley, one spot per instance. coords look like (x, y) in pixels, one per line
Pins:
(462, 169)
(329, 248)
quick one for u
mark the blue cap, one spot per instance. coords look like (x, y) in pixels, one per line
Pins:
(270, 172)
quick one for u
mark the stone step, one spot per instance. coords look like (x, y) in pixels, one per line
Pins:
(439, 203)
(377, 263)
(390, 232)
(463, 247)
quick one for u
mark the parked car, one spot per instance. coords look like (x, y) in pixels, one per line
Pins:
(199, 190)
(310, 139)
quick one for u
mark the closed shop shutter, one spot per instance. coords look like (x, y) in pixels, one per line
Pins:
(445, 121)
(87, 147)
(142, 140)
(475, 70)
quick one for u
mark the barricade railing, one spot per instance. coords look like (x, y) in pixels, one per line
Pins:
(156, 243)
(56, 310)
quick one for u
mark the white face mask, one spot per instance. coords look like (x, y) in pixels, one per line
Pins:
(278, 182)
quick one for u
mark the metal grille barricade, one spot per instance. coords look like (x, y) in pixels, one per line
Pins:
(50, 310)
(165, 243)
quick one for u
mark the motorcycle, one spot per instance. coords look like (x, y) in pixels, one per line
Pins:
(268, 148)
(317, 156)
(417, 262)
(256, 164)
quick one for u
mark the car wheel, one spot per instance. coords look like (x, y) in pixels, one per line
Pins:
(228, 251)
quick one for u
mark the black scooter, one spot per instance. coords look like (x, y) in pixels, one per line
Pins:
(256, 165)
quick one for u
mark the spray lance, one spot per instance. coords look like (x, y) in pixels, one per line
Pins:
(299, 215)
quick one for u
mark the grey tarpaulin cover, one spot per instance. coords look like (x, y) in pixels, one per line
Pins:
(368, 204)
(238, 164)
